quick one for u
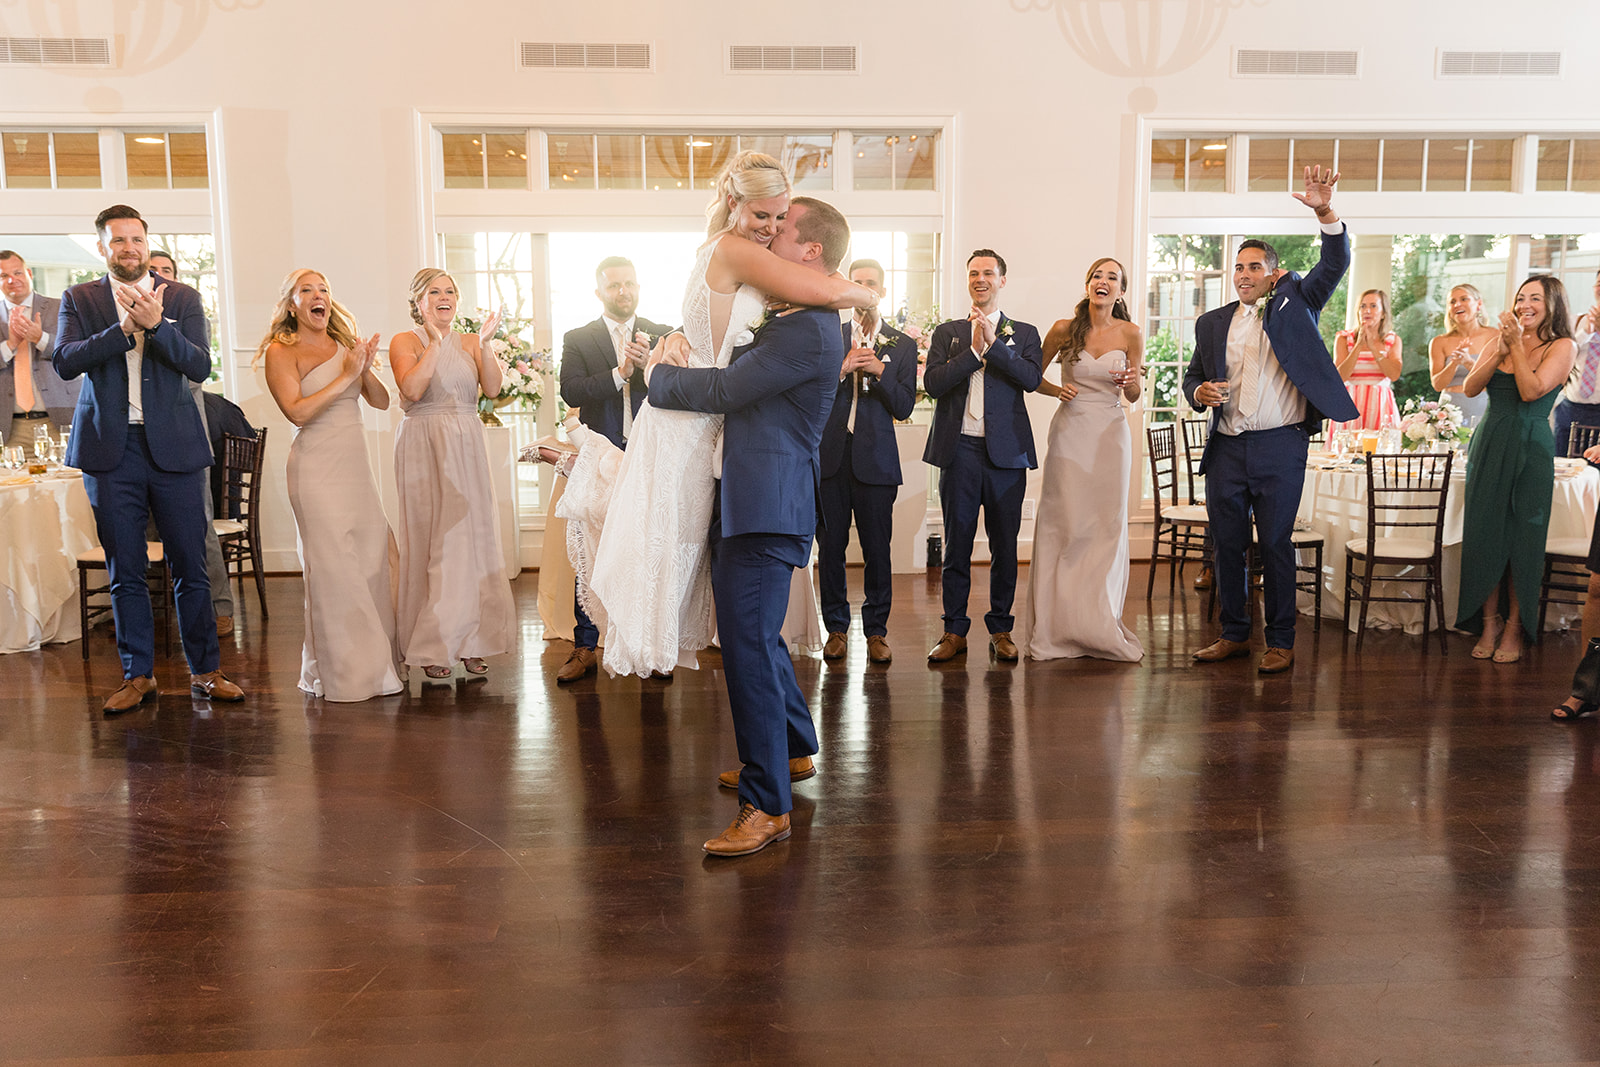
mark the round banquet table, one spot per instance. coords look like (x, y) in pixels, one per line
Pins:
(44, 525)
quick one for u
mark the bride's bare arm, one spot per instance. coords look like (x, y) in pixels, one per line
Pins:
(742, 262)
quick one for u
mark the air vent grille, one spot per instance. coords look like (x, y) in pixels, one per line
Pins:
(1268, 63)
(552, 55)
(1499, 64)
(56, 51)
(794, 59)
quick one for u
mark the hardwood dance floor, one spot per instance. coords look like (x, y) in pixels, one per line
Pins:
(1389, 858)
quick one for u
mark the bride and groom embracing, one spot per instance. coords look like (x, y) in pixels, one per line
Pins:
(715, 497)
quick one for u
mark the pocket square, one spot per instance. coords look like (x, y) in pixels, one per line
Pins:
(1282, 302)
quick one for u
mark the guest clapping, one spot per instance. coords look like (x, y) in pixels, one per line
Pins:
(1452, 354)
(1512, 475)
(454, 602)
(316, 367)
(1369, 359)
(1580, 399)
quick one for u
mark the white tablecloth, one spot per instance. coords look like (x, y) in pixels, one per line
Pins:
(43, 528)
(1335, 504)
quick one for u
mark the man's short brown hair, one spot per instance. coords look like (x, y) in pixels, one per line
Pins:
(823, 224)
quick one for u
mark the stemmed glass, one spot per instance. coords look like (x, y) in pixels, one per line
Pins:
(41, 442)
(1117, 367)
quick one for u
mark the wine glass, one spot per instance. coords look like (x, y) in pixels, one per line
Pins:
(41, 441)
(1117, 367)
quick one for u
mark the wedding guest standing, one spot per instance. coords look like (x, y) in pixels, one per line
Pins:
(1580, 397)
(1369, 359)
(454, 601)
(602, 376)
(138, 439)
(980, 370)
(1261, 367)
(1512, 474)
(861, 469)
(317, 368)
(32, 394)
(1078, 578)
(1452, 354)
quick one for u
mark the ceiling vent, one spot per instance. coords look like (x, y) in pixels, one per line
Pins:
(550, 55)
(1499, 64)
(56, 51)
(1269, 63)
(792, 59)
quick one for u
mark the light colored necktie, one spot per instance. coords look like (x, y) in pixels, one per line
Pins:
(22, 378)
(1250, 385)
(857, 340)
(1591, 367)
(975, 390)
(619, 338)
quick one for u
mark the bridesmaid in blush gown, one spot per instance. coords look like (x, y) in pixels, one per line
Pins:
(454, 600)
(317, 366)
(1078, 577)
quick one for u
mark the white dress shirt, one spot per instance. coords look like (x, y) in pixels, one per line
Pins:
(972, 418)
(135, 356)
(860, 337)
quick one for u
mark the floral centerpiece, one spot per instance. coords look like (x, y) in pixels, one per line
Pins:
(522, 370)
(1428, 421)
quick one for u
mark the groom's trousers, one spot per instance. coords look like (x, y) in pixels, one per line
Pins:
(750, 576)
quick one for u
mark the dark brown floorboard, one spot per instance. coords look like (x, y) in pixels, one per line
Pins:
(1391, 858)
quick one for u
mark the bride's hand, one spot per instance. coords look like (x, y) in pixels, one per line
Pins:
(672, 349)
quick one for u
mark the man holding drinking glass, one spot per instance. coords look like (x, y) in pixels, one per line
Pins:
(1262, 368)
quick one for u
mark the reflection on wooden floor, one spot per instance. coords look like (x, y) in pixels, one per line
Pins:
(1387, 859)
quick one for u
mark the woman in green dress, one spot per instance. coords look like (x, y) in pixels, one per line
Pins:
(1512, 472)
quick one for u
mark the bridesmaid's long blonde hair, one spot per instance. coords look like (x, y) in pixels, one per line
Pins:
(750, 175)
(285, 329)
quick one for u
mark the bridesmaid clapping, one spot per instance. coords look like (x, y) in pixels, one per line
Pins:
(316, 367)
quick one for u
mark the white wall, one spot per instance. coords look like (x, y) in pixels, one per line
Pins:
(315, 107)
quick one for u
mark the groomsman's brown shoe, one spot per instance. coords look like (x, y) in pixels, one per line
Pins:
(878, 649)
(1276, 661)
(215, 685)
(751, 831)
(224, 625)
(1203, 581)
(1222, 649)
(581, 662)
(835, 647)
(132, 693)
(800, 768)
(949, 647)
(1004, 648)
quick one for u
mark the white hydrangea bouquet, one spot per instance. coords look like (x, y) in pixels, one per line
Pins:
(1428, 421)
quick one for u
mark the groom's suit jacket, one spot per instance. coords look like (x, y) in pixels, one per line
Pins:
(1291, 327)
(90, 343)
(776, 393)
(588, 361)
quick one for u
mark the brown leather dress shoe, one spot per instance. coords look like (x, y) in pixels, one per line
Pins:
(581, 662)
(800, 768)
(949, 647)
(834, 647)
(1203, 581)
(224, 625)
(1003, 647)
(1222, 649)
(878, 649)
(1276, 661)
(215, 686)
(132, 693)
(751, 831)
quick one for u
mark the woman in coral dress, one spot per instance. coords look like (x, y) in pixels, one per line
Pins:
(1369, 360)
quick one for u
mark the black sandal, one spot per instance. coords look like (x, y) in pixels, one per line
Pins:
(1562, 713)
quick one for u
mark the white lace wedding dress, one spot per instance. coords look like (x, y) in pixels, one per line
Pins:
(637, 520)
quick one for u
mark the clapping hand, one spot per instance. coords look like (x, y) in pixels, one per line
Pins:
(1319, 189)
(1510, 330)
(140, 309)
(17, 329)
(635, 354)
(491, 323)
(358, 359)
(982, 330)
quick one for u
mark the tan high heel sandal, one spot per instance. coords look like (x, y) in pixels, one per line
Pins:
(1478, 650)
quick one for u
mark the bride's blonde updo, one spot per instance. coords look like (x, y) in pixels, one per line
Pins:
(419, 289)
(750, 175)
(284, 328)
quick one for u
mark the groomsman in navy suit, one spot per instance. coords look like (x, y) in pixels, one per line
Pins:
(137, 437)
(861, 468)
(602, 375)
(1261, 366)
(776, 392)
(980, 370)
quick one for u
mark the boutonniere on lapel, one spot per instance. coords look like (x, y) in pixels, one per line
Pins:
(753, 327)
(1263, 306)
(1006, 329)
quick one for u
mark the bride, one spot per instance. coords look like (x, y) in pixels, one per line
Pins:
(637, 519)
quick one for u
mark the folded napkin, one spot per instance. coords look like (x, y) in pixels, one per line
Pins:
(12, 478)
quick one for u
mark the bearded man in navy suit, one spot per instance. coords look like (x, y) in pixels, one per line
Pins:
(138, 438)
(1262, 368)
(776, 391)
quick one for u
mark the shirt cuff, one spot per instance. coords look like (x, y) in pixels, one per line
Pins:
(44, 340)
(1331, 228)
(6, 354)
(617, 378)
(647, 372)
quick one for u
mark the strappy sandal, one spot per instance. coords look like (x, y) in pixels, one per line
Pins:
(475, 665)
(1478, 650)
(433, 670)
(1562, 713)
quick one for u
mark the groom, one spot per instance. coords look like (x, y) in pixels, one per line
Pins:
(776, 392)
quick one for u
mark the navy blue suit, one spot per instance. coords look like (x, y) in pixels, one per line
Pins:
(776, 394)
(135, 472)
(588, 361)
(989, 471)
(1262, 472)
(861, 474)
